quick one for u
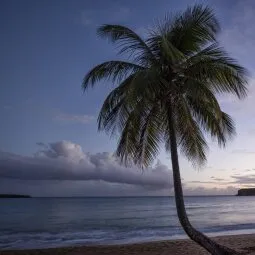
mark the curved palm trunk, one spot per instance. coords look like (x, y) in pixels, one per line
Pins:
(211, 246)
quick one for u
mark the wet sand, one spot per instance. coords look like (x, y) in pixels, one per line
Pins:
(242, 243)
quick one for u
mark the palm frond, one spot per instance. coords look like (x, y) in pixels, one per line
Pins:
(125, 98)
(218, 124)
(192, 29)
(114, 70)
(141, 135)
(150, 136)
(128, 42)
(114, 105)
(190, 137)
(163, 48)
(127, 144)
(220, 71)
(200, 92)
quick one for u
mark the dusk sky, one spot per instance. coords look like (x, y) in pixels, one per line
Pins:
(49, 144)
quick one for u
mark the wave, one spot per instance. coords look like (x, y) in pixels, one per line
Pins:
(24, 240)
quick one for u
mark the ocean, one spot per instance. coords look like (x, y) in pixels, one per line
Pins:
(53, 222)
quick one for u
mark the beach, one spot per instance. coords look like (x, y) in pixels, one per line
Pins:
(242, 243)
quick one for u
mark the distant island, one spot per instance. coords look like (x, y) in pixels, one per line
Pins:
(246, 192)
(13, 196)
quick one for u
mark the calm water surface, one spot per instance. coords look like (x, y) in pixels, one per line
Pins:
(52, 222)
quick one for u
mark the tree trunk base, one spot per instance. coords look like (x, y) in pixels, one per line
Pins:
(209, 244)
(227, 251)
(215, 248)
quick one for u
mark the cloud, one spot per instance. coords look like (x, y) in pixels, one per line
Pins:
(66, 161)
(235, 180)
(64, 169)
(84, 119)
(246, 179)
(203, 182)
(243, 151)
(217, 179)
(203, 191)
(215, 182)
(249, 170)
(41, 144)
(98, 188)
(221, 169)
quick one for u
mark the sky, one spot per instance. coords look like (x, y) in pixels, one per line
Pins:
(49, 143)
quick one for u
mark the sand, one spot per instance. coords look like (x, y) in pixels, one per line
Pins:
(243, 243)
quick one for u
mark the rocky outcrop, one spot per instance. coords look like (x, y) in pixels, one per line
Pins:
(246, 192)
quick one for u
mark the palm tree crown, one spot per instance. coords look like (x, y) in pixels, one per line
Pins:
(178, 69)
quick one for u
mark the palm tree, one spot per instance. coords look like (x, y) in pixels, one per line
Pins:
(166, 94)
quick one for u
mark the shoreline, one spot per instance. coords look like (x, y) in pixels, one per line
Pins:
(243, 243)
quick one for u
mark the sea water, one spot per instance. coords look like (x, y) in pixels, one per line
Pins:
(53, 222)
